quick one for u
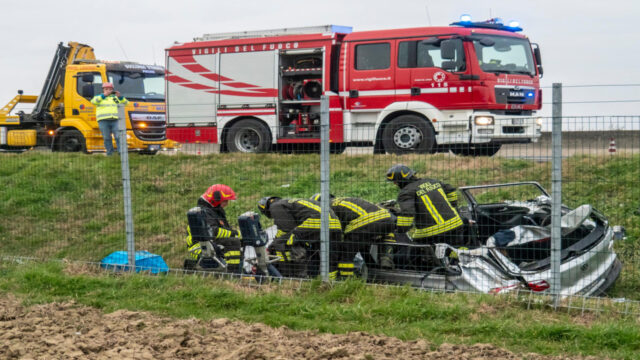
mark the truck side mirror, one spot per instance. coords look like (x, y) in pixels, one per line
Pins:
(87, 90)
(448, 49)
(87, 78)
(536, 53)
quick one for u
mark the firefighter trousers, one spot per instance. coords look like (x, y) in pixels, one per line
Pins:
(453, 237)
(231, 253)
(360, 240)
(302, 257)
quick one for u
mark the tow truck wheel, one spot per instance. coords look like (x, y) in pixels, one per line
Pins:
(408, 134)
(72, 141)
(248, 136)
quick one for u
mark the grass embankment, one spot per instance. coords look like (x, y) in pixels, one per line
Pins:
(70, 205)
(336, 308)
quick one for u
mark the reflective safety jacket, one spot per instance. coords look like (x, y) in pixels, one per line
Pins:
(427, 203)
(107, 106)
(219, 228)
(298, 218)
(355, 213)
(216, 218)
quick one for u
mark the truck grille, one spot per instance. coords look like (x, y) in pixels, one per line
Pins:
(514, 95)
(149, 126)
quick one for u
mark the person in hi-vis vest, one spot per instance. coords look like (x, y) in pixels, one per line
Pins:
(107, 114)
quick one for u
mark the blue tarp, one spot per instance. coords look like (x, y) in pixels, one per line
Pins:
(145, 261)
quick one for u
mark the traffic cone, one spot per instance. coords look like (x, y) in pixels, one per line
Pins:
(612, 146)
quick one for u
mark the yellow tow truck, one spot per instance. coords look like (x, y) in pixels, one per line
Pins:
(63, 117)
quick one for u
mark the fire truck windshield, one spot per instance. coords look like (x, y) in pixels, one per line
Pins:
(139, 86)
(505, 55)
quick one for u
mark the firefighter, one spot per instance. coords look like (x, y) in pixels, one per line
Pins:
(363, 224)
(428, 204)
(297, 241)
(212, 203)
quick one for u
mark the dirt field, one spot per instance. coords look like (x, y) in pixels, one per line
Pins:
(71, 331)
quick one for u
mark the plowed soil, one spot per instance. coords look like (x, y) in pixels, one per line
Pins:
(73, 331)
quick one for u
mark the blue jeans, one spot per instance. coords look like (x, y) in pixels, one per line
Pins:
(108, 127)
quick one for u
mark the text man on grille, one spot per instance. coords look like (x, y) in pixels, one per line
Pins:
(428, 204)
(363, 223)
(297, 241)
(211, 206)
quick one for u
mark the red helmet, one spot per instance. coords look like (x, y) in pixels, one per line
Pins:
(218, 193)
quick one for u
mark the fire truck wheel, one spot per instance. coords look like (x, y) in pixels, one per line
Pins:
(71, 141)
(248, 136)
(408, 134)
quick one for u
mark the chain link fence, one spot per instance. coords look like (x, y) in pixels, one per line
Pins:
(554, 216)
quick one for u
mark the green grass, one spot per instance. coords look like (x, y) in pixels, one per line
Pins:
(336, 308)
(70, 205)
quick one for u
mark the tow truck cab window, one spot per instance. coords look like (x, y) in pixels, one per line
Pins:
(418, 54)
(88, 89)
(146, 85)
(373, 56)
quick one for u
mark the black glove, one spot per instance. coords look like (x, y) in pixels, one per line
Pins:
(234, 233)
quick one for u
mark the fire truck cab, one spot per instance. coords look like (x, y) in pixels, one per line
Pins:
(469, 88)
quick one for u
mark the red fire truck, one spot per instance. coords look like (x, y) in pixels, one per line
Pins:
(469, 87)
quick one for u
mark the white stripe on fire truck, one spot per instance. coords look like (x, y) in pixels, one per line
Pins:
(246, 111)
(403, 91)
(423, 91)
(370, 93)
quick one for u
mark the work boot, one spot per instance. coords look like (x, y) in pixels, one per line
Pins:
(299, 262)
(208, 263)
(234, 269)
(386, 258)
(386, 262)
(189, 264)
(299, 270)
(345, 270)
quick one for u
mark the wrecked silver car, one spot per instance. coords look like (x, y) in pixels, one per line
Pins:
(509, 226)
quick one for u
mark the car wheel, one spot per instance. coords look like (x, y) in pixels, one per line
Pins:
(248, 136)
(408, 134)
(71, 141)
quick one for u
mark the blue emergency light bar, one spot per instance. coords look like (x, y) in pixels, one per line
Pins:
(495, 23)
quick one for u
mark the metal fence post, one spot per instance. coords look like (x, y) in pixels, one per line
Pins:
(556, 192)
(324, 188)
(126, 186)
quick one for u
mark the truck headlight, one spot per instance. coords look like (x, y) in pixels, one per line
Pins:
(539, 121)
(484, 120)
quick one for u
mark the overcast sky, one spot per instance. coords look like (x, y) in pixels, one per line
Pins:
(586, 42)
